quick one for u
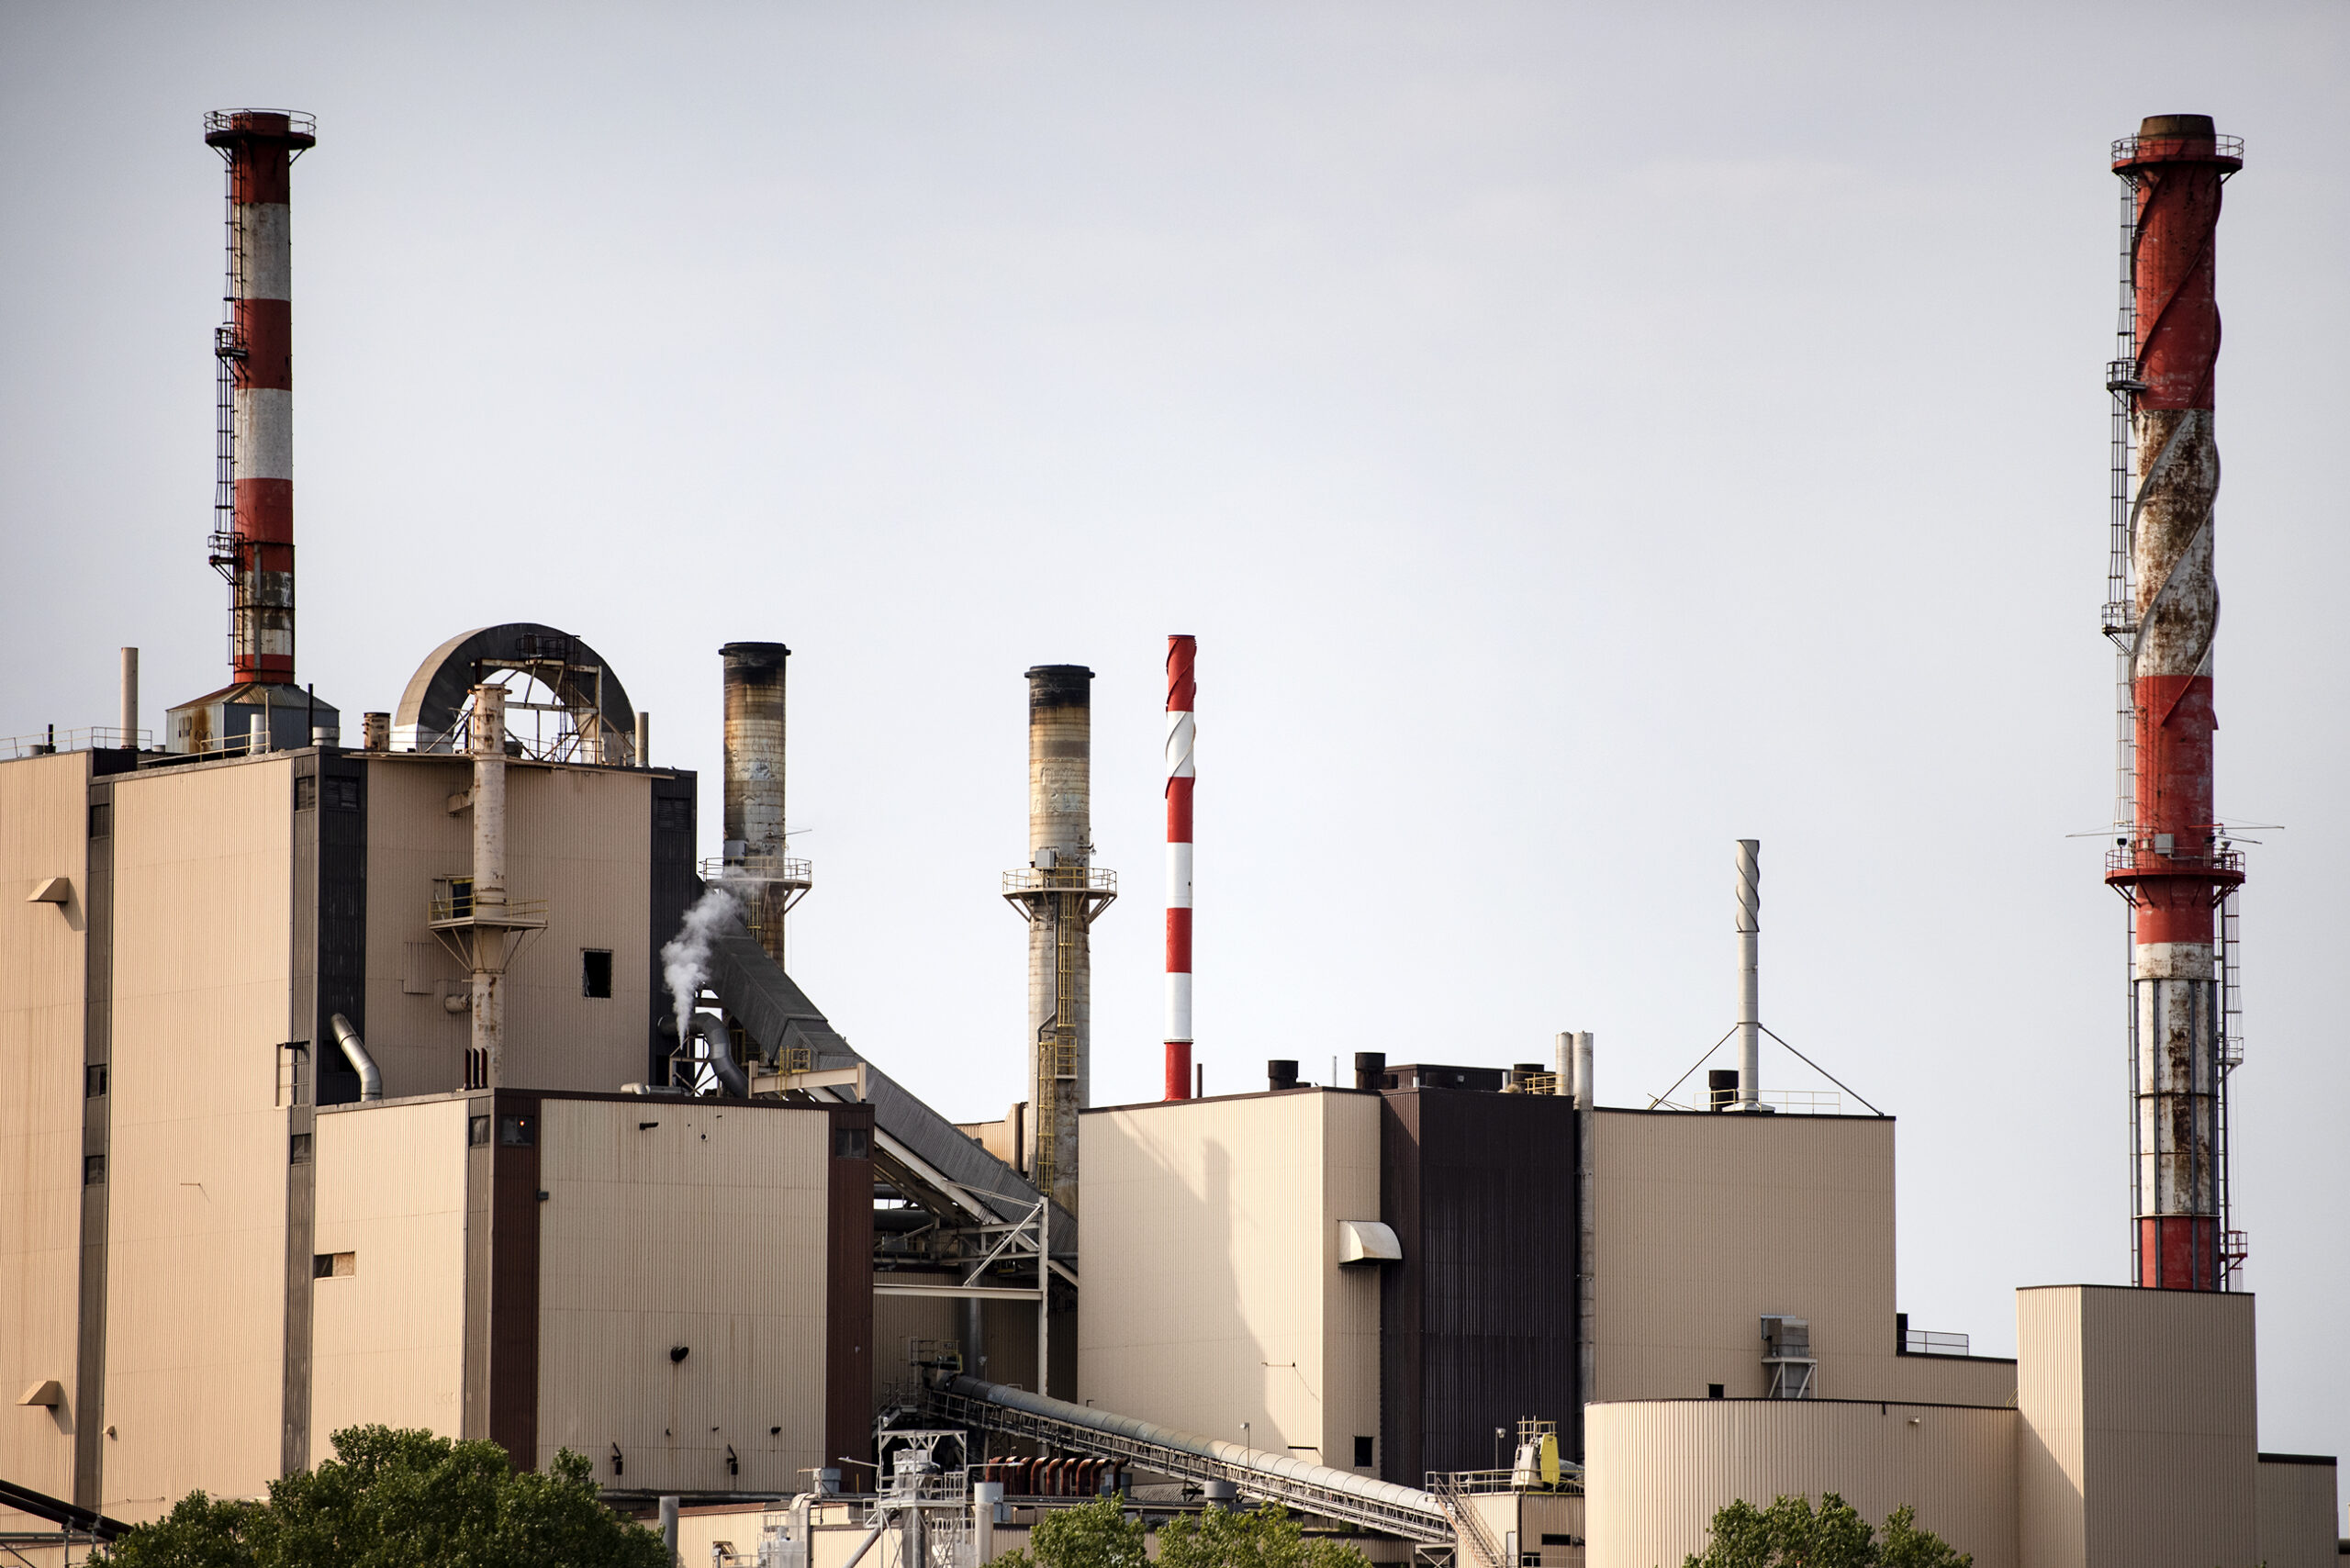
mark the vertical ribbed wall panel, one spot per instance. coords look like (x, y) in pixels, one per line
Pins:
(1659, 1469)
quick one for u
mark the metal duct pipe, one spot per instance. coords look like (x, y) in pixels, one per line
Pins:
(711, 1029)
(1182, 653)
(2174, 864)
(487, 736)
(644, 739)
(1750, 976)
(374, 731)
(354, 1050)
(755, 783)
(1280, 1074)
(256, 348)
(669, 1528)
(1370, 1069)
(130, 697)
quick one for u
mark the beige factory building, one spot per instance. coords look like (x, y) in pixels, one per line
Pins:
(216, 1251)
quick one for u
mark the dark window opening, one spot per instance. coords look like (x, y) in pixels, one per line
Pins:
(306, 791)
(1549, 1539)
(1713, 1391)
(673, 815)
(477, 1132)
(334, 1265)
(852, 1143)
(94, 1080)
(1362, 1452)
(101, 819)
(519, 1132)
(342, 794)
(596, 971)
(94, 1170)
(299, 1151)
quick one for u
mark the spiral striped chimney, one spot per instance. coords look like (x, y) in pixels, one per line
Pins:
(2172, 861)
(1182, 653)
(255, 347)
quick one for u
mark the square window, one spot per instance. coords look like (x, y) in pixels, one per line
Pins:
(305, 792)
(852, 1143)
(101, 819)
(519, 1132)
(596, 971)
(477, 1133)
(342, 794)
(94, 1170)
(94, 1080)
(1363, 1453)
(1713, 1391)
(334, 1265)
(299, 1154)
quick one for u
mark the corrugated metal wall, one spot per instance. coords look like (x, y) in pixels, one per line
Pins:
(2142, 1429)
(705, 1230)
(1659, 1469)
(43, 810)
(388, 1337)
(2298, 1513)
(197, 1289)
(1479, 1320)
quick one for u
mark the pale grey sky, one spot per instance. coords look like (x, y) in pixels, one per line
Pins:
(1579, 436)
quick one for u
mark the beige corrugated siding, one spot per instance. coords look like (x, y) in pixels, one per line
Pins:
(196, 1311)
(43, 815)
(2298, 1513)
(1659, 1469)
(388, 1342)
(1705, 1223)
(578, 838)
(1212, 1292)
(707, 1231)
(2139, 1443)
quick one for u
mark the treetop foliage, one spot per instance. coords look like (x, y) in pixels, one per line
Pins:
(1788, 1534)
(1099, 1534)
(401, 1499)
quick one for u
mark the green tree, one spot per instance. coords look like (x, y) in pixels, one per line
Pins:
(1260, 1538)
(401, 1500)
(1091, 1535)
(1789, 1534)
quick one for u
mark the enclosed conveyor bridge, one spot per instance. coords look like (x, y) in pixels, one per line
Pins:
(1404, 1511)
(921, 1153)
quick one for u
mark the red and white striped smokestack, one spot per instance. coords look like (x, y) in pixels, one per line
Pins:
(255, 347)
(2174, 864)
(1181, 653)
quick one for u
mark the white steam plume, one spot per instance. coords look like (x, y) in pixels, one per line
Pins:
(685, 958)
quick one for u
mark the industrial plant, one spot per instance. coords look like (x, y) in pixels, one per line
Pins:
(439, 1068)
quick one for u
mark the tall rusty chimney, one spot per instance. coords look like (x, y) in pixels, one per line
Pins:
(2172, 861)
(754, 855)
(1059, 893)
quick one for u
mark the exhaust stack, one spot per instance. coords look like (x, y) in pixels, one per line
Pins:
(1183, 651)
(1750, 979)
(2172, 861)
(755, 855)
(1060, 894)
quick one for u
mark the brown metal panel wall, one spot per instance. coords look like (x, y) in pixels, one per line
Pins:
(339, 972)
(1488, 1271)
(848, 1295)
(514, 1282)
(675, 888)
(97, 999)
(480, 1187)
(1400, 1289)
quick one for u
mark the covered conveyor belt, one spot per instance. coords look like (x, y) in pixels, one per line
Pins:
(923, 1151)
(1097, 1434)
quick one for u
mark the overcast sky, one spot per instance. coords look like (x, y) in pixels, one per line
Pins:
(1579, 437)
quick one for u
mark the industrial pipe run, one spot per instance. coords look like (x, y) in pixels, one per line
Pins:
(255, 552)
(1182, 652)
(2172, 861)
(488, 734)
